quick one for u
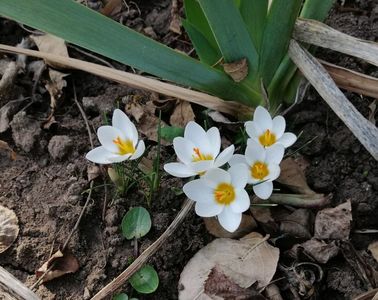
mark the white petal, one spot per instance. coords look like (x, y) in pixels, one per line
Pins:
(254, 152)
(239, 175)
(287, 139)
(242, 202)
(274, 172)
(106, 135)
(237, 159)
(214, 138)
(229, 219)
(208, 209)
(119, 158)
(274, 154)
(198, 191)
(99, 155)
(139, 150)
(179, 170)
(279, 125)
(253, 129)
(197, 135)
(263, 118)
(224, 156)
(184, 149)
(263, 190)
(122, 122)
(216, 176)
(201, 166)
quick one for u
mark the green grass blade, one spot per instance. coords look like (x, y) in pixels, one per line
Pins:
(230, 32)
(254, 13)
(204, 49)
(277, 34)
(196, 17)
(84, 27)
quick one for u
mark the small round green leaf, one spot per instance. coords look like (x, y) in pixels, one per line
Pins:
(121, 296)
(146, 280)
(136, 223)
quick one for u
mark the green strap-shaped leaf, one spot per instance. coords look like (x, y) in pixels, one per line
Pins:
(231, 33)
(84, 27)
(278, 30)
(196, 17)
(286, 78)
(254, 13)
(204, 49)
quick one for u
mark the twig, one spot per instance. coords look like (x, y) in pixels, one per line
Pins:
(142, 259)
(297, 200)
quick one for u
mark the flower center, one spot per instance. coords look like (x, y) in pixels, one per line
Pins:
(224, 194)
(259, 170)
(198, 156)
(267, 138)
(124, 146)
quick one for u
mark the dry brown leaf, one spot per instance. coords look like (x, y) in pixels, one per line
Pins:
(293, 177)
(175, 24)
(244, 262)
(64, 263)
(373, 111)
(219, 286)
(8, 228)
(318, 250)
(111, 8)
(334, 223)
(147, 121)
(297, 224)
(4, 145)
(55, 86)
(182, 114)
(51, 44)
(246, 226)
(264, 218)
(93, 172)
(373, 248)
(238, 70)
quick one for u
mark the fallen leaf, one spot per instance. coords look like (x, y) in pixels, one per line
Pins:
(246, 226)
(111, 8)
(219, 286)
(373, 248)
(373, 111)
(4, 145)
(264, 218)
(334, 223)
(147, 121)
(62, 263)
(297, 224)
(318, 250)
(9, 228)
(182, 114)
(293, 177)
(51, 44)
(238, 70)
(55, 86)
(6, 113)
(272, 292)
(244, 262)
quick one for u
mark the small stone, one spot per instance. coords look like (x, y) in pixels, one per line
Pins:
(59, 146)
(25, 131)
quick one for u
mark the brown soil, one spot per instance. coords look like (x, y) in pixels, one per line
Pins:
(45, 184)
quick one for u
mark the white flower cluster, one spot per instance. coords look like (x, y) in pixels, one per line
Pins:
(222, 193)
(217, 192)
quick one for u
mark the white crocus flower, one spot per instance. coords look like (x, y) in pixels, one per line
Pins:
(263, 164)
(269, 132)
(221, 193)
(118, 142)
(198, 151)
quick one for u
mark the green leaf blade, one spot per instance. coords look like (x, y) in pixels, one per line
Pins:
(231, 33)
(136, 223)
(278, 30)
(84, 27)
(254, 14)
(146, 280)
